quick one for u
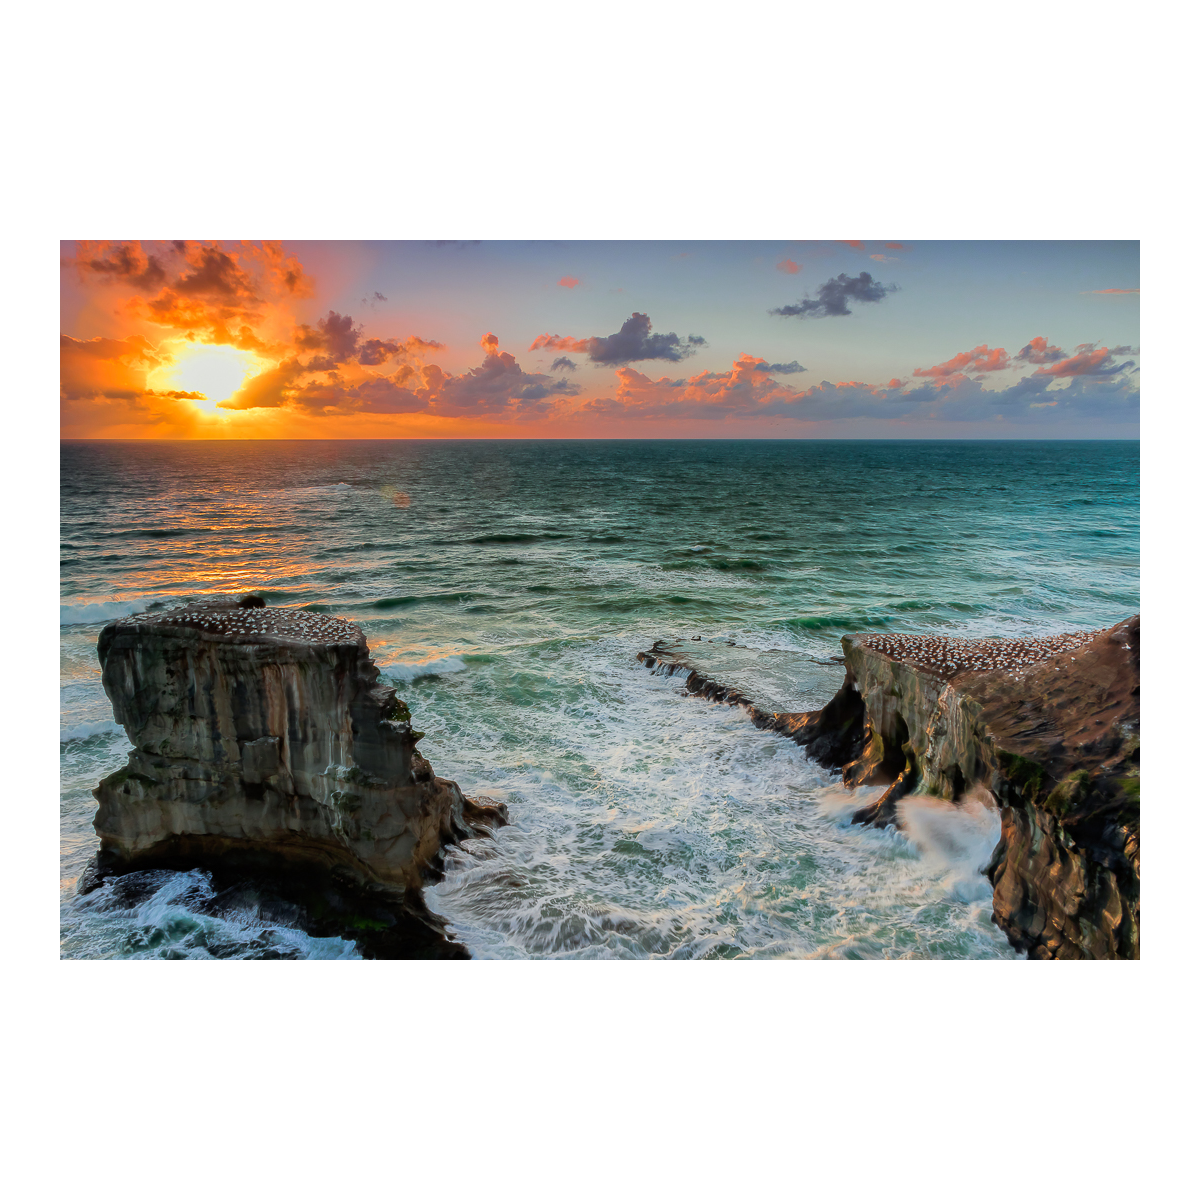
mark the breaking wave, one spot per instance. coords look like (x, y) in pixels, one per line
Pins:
(87, 729)
(403, 672)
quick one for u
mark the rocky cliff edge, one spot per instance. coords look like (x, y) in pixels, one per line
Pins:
(1047, 728)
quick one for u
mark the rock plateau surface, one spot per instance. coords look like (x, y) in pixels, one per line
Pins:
(266, 745)
(1047, 728)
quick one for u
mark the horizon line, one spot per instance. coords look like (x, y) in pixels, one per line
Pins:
(207, 441)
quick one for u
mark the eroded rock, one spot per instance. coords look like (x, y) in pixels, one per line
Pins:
(266, 744)
(1048, 727)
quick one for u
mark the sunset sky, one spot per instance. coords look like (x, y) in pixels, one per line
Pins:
(878, 339)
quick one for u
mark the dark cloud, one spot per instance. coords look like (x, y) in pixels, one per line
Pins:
(563, 364)
(632, 343)
(215, 276)
(834, 297)
(322, 362)
(792, 368)
(334, 333)
(375, 351)
(126, 261)
(208, 291)
(498, 384)
(341, 341)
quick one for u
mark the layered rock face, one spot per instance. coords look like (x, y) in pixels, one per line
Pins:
(1047, 727)
(1052, 732)
(264, 740)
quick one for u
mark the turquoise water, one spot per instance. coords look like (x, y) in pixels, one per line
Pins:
(507, 595)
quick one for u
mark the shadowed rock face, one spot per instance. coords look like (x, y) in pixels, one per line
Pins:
(265, 742)
(1050, 727)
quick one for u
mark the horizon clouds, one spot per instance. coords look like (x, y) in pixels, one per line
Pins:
(180, 303)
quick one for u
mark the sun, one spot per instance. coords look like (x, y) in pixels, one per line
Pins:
(217, 371)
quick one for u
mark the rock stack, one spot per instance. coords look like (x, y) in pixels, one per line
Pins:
(265, 743)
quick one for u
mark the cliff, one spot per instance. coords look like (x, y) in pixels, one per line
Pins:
(266, 745)
(1047, 728)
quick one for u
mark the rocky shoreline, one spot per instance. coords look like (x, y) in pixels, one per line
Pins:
(1047, 729)
(268, 752)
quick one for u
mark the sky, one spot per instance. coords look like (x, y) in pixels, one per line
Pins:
(587, 339)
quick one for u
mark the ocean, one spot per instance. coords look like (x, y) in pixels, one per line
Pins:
(505, 588)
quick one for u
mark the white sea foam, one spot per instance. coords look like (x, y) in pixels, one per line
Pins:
(169, 921)
(87, 729)
(958, 837)
(649, 825)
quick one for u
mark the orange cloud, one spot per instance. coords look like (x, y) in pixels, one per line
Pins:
(245, 295)
(893, 245)
(110, 367)
(104, 392)
(568, 281)
(499, 387)
(979, 360)
(1118, 292)
(551, 341)
(788, 267)
(854, 245)
(1092, 361)
(207, 291)
(1039, 350)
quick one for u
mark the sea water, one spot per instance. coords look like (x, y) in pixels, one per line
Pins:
(505, 589)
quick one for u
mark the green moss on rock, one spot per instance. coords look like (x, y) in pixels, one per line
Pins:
(1068, 795)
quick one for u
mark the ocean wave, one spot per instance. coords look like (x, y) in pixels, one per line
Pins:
(504, 539)
(389, 602)
(180, 915)
(403, 672)
(87, 729)
(95, 614)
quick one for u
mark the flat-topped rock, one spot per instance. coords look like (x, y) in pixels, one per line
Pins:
(949, 657)
(264, 740)
(235, 622)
